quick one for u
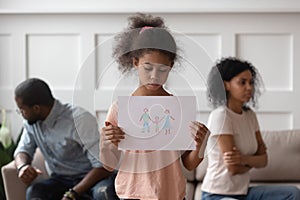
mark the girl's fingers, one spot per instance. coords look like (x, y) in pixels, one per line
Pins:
(113, 134)
(111, 128)
(197, 132)
(198, 139)
(199, 128)
(200, 125)
(228, 153)
(114, 137)
(109, 133)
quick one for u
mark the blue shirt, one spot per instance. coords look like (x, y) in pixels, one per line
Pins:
(68, 139)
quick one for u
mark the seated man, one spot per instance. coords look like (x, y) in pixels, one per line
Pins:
(68, 138)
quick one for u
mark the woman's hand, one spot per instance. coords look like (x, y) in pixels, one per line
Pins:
(233, 157)
(198, 131)
(113, 134)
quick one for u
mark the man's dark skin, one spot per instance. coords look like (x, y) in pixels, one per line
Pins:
(28, 173)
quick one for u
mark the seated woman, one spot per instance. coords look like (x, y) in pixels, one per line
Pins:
(236, 145)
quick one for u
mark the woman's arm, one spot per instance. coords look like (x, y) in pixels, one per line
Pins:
(260, 158)
(231, 155)
(190, 159)
(238, 163)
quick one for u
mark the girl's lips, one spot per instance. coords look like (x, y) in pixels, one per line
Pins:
(152, 85)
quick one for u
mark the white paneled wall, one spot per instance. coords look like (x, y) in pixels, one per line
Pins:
(50, 56)
(5, 60)
(272, 45)
(72, 52)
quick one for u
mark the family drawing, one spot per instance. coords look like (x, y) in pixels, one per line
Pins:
(146, 120)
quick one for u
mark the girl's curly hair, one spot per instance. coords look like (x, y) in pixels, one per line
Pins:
(144, 33)
(224, 70)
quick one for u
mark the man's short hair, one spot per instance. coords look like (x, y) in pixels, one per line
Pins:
(34, 91)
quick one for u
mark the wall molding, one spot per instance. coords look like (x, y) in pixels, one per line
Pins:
(132, 6)
(269, 40)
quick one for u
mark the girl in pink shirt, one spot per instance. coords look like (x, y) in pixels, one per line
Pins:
(148, 47)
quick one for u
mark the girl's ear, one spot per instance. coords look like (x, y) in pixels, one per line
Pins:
(135, 62)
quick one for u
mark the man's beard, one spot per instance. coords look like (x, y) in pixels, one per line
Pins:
(31, 122)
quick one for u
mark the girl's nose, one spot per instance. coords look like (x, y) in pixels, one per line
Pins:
(154, 74)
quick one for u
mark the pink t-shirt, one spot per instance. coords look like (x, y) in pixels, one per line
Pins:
(145, 175)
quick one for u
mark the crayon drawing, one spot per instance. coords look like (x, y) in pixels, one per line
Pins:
(145, 118)
(167, 124)
(156, 122)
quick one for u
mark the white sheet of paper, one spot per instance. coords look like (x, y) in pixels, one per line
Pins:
(156, 122)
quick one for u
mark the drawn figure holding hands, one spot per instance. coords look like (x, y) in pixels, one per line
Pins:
(167, 124)
(156, 121)
(145, 117)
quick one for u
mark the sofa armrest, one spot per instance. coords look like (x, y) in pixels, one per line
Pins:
(14, 188)
(39, 163)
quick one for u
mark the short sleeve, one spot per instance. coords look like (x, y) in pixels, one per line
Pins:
(27, 143)
(88, 133)
(255, 121)
(112, 114)
(219, 122)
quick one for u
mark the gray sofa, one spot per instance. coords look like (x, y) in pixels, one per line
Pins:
(283, 167)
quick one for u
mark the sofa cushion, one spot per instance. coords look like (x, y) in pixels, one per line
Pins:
(283, 149)
(201, 169)
(190, 190)
(295, 184)
(198, 191)
(189, 175)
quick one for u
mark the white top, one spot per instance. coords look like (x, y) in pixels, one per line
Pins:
(223, 121)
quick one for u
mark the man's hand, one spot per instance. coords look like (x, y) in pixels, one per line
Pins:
(28, 173)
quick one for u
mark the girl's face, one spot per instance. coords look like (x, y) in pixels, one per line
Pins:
(240, 87)
(153, 69)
